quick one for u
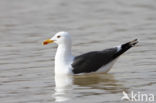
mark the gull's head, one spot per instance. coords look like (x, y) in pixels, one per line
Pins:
(59, 38)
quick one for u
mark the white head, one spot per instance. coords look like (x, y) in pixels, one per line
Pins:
(60, 38)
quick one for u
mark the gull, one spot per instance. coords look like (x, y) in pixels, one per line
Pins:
(90, 62)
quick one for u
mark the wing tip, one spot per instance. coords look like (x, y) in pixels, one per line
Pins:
(133, 42)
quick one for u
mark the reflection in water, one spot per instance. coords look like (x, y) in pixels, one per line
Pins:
(67, 84)
(101, 81)
(63, 88)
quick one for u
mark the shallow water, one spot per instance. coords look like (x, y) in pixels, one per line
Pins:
(27, 67)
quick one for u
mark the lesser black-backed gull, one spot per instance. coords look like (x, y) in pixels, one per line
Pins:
(94, 61)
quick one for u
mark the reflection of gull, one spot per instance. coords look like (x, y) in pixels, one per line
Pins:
(95, 61)
(65, 85)
(63, 81)
(105, 82)
(63, 88)
(125, 96)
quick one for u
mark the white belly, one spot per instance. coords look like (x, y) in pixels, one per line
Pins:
(107, 67)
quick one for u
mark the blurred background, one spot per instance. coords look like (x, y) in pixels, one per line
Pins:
(27, 67)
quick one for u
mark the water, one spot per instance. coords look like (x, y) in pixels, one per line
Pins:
(27, 67)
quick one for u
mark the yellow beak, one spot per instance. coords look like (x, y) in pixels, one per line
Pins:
(48, 41)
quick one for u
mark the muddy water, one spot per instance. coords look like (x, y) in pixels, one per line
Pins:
(27, 67)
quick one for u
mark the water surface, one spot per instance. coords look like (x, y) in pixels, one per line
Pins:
(27, 67)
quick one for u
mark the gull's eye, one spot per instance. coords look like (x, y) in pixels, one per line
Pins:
(58, 36)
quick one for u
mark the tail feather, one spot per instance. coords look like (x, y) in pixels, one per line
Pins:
(126, 46)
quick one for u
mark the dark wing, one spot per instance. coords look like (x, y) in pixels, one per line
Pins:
(92, 61)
